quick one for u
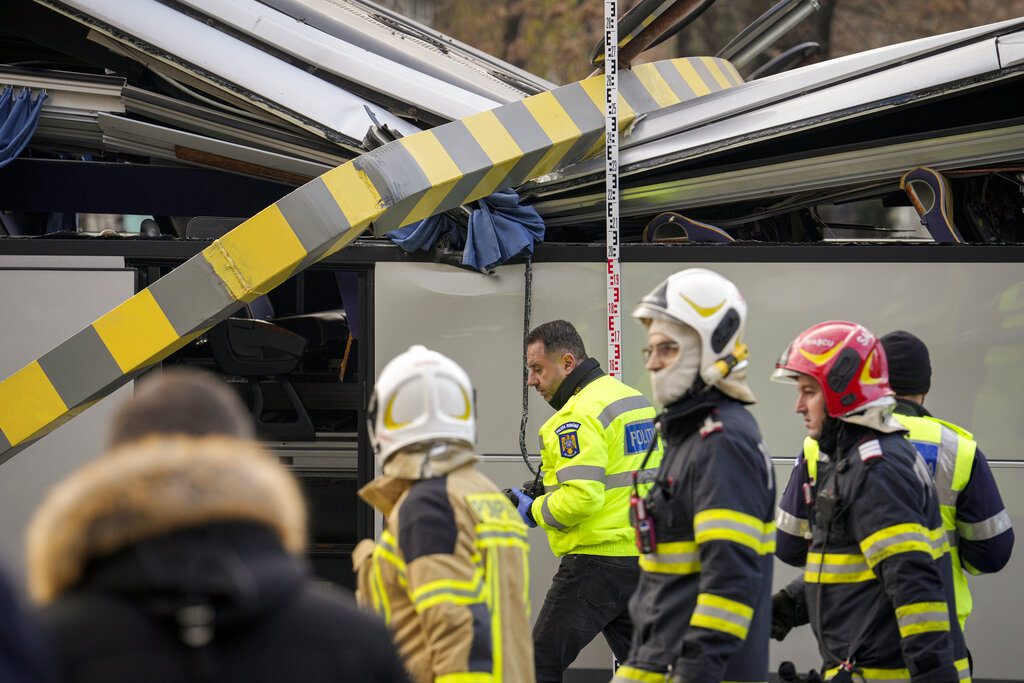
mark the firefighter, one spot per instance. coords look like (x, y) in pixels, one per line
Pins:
(449, 575)
(702, 610)
(864, 522)
(590, 449)
(978, 527)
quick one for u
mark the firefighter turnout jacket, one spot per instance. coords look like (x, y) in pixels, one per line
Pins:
(450, 577)
(865, 525)
(589, 451)
(703, 605)
(978, 529)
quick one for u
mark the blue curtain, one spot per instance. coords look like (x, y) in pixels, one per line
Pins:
(18, 119)
(498, 231)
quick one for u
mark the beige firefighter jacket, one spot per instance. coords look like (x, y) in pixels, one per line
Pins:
(450, 573)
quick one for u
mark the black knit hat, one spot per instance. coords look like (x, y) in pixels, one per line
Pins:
(910, 367)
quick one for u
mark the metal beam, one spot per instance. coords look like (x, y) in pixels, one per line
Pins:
(414, 177)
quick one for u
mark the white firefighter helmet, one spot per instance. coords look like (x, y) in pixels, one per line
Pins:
(421, 396)
(709, 304)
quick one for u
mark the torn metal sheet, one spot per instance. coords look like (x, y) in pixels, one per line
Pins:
(384, 32)
(880, 164)
(364, 71)
(404, 181)
(838, 89)
(229, 64)
(136, 137)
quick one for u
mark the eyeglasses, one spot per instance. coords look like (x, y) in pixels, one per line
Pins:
(664, 350)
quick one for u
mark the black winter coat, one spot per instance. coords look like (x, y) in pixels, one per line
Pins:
(223, 602)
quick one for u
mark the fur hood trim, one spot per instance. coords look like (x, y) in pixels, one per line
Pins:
(153, 487)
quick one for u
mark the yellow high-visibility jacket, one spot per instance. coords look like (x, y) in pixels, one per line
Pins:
(589, 451)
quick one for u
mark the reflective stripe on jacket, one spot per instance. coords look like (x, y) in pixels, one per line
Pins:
(882, 567)
(450, 576)
(703, 605)
(951, 454)
(589, 450)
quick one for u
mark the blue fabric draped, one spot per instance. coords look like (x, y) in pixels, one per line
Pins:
(498, 231)
(18, 119)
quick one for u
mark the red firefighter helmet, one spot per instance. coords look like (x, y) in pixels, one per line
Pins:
(845, 358)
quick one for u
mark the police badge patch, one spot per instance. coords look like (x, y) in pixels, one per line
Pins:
(568, 441)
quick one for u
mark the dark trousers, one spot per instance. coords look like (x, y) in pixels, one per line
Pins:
(589, 595)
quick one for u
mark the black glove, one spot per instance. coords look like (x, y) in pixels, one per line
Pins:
(785, 615)
(533, 488)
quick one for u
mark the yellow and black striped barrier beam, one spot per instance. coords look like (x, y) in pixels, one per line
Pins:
(404, 181)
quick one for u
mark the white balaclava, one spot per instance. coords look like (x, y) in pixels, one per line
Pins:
(669, 384)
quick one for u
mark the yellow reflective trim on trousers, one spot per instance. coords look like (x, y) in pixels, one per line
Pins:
(722, 614)
(870, 675)
(837, 568)
(466, 677)
(903, 538)
(29, 403)
(439, 168)
(738, 527)
(922, 617)
(132, 330)
(679, 557)
(557, 125)
(631, 673)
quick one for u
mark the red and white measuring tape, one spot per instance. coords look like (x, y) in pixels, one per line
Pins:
(611, 156)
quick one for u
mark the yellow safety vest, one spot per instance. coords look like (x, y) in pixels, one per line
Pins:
(954, 459)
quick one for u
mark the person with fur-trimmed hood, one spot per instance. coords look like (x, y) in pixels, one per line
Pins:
(176, 558)
(449, 574)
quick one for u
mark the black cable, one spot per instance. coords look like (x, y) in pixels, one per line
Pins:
(527, 310)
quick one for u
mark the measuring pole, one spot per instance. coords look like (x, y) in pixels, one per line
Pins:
(611, 184)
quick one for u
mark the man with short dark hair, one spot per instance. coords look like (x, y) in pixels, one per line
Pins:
(181, 401)
(590, 449)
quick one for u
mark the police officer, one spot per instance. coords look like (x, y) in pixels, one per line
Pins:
(590, 449)
(865, 522)
(449, 573)
(702, 611)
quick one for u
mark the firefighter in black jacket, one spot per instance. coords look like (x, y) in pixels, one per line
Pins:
(702, 610)
(879, 585)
